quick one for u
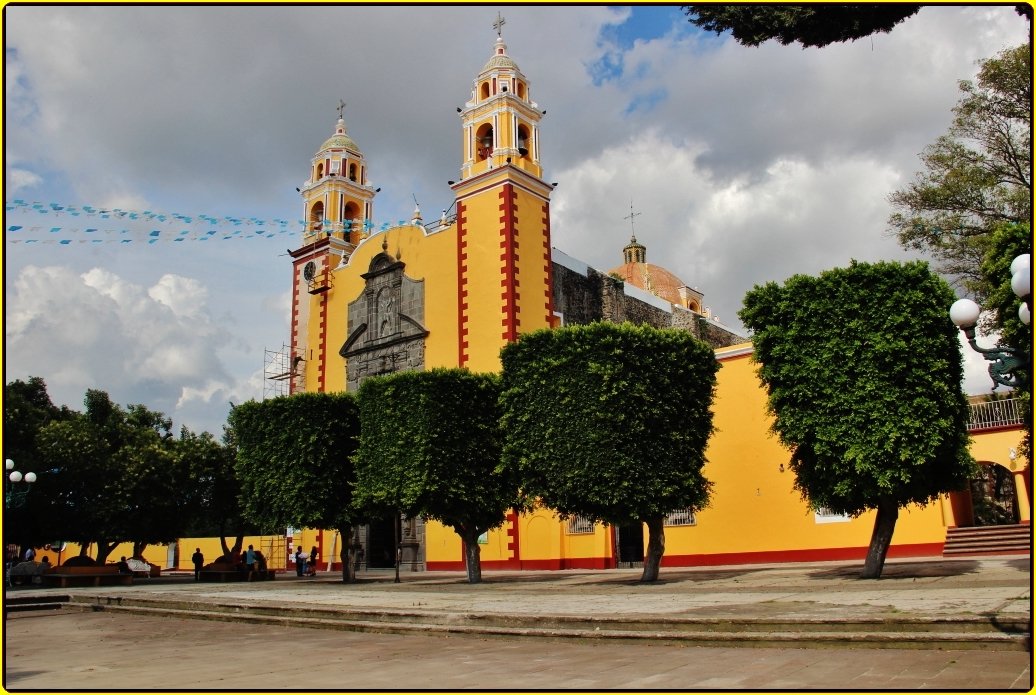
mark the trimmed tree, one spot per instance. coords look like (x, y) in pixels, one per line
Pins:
(430, 446)
(294, 463)
(610, 422)
(863, 371)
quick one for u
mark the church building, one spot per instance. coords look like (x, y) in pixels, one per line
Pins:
(453, 291)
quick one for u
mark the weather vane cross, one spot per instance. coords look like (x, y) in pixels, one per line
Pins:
(499, 23)
(630, 218)
(341, 108)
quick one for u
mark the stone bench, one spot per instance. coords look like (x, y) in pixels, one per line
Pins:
(86, 575)
(227, 572)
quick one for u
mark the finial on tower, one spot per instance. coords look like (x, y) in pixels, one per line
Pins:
(341, 108)
(633, 234)
(499, 24)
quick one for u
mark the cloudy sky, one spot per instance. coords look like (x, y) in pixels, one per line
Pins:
(745, 165)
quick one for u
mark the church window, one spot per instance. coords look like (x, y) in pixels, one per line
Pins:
(484, 90)
(352, 172)
(316, 216)
(825, 515)
(320, 170)
(580, 524)
(680, 517)
(520, 90)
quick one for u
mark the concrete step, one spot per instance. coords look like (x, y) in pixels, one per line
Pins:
(18, 604)
(975, 540)
(905, 633)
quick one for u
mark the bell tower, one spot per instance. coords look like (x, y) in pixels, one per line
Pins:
(503, 215)
(337, 206)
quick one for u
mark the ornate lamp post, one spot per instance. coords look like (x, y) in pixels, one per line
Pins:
(964, 313)
(14, 496)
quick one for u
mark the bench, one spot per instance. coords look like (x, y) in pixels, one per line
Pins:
(227, 572)
(86, 575)
(143, 570)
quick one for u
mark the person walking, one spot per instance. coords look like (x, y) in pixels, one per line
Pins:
(199, 561)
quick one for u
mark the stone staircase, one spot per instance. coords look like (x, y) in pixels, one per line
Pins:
(906, 632)
(987, 540)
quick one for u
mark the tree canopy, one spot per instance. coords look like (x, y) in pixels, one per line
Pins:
(294, 462)
(610, 422)
(814, 25)
(977, 176)
(430, 445)
(863, 372)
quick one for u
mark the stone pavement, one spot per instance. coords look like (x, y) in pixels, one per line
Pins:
(61, 649)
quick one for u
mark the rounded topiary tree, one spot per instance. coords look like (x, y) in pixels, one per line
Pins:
(863, 370)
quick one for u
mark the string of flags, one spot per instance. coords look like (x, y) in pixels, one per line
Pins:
(34, 222)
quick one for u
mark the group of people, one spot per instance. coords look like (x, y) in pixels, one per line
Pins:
(306, 565)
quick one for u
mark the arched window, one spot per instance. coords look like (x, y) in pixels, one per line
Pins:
(320, 170)
(520, 91)
(484, 142)
(353, 223)
(484, 90)
(352, 172)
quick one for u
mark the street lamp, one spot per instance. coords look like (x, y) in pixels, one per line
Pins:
(15, 497)
(964, 313)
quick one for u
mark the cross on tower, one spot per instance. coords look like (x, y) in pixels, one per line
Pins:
(630, 218)
(341, 108)
(499, 23)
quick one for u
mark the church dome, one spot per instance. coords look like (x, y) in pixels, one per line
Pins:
(340, 140)
(655, 279)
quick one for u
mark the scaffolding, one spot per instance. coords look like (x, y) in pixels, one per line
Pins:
(284, 371)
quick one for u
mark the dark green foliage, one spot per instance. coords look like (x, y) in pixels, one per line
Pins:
(430, 445)
(115, 476)
(294, 460)
(976, 177)
(1006, 243)
(609, 421)
(811, 25)
(863, 371)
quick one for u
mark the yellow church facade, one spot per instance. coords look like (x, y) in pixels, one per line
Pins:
(453, 291)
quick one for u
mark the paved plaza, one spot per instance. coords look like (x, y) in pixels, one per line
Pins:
(104, 650)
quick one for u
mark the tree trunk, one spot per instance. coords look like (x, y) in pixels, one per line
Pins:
(655, 549)
(472, 556)
(104, 549)
(881, 538)
(138, 549)
(397, 532)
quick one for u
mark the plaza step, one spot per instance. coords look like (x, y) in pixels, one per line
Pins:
(986, 540)
(18, 604)
(906, 633)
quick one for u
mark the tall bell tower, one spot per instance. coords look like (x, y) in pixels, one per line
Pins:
(503, 215)
(338, 203)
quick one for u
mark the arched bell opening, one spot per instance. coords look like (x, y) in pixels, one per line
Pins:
(320, 171)
(523, 140)
(484, 91)
(484, 142)
(520, 89)
(316, 217)
(352, 222)
(352, 172)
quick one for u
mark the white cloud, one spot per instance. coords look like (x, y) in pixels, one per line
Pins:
(747, 165)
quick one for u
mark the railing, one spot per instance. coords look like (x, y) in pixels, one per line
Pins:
(994, 414)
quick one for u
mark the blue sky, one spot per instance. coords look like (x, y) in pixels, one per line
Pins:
(746, 164)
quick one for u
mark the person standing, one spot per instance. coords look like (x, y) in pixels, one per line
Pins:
(300, 561)
(250, 561)
(311, 563)
(199, 561)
